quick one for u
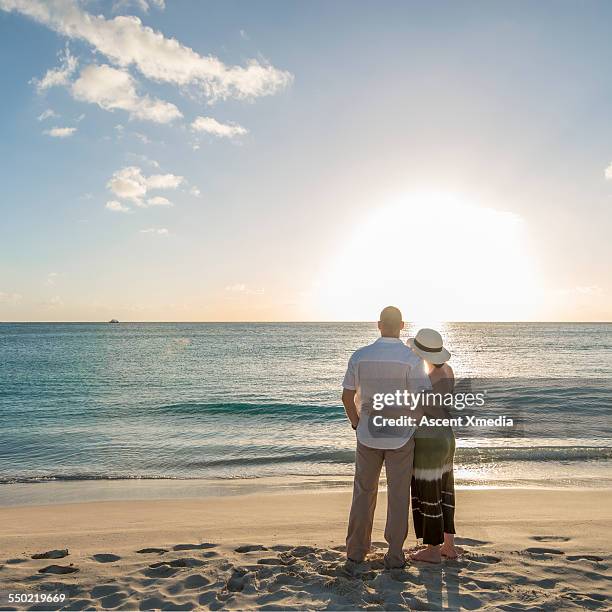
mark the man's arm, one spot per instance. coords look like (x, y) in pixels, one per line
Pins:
(348, 399)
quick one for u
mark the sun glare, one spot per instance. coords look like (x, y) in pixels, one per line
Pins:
(436, 256)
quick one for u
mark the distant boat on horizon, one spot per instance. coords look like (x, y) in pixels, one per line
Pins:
(113, 321)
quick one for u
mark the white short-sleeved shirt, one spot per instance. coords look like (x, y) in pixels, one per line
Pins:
(384, 366)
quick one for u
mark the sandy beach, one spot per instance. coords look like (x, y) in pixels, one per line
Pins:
(524, 549)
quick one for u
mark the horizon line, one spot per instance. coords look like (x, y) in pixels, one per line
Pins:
(106, 322)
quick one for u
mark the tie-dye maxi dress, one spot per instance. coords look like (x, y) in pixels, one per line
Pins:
(433, 484)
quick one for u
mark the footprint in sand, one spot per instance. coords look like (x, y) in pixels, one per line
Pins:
(584, 557)
(281, 547)
(58, 569)
(202, 546)
(281, 560)
(113, 601)
(585, 600)
(331, 555)
(550, 538)
(165, 569)
(536, 550)
(104, 590)
(79, 604)
(146, 551)
(249, 548)
(237, 581)
(209, 554)
(52, 554)
(478, 558)
(196, 581)
(105, 558)
(471, 542)
(302, 551)
(345, 587)
(172, 563)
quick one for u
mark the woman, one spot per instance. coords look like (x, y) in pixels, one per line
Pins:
(433, 487)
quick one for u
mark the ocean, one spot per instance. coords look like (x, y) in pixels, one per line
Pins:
(244, 401)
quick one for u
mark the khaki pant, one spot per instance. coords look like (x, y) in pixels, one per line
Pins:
(398, 467)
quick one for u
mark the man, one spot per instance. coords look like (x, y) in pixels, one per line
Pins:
(381, 369)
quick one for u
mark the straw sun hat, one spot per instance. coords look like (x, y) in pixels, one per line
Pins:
(428, 345)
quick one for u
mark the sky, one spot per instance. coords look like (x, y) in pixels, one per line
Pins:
(305, 161)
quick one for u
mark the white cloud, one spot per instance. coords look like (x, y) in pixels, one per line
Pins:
(195, 191)
(164, 181)
(158, 231)
(216, 128)
(125, 41)
(60, 132)
(51, 278)
(143, 159)
(48, 114)
(128, 183)
(142, 137)
(131, 184)
(9, 298)
(159, 201)
(608, 172)
(143, 5)
(56, 76)
(112, 89)
(116, 206)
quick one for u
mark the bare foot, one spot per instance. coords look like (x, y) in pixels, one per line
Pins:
(450, 551)
(428, 555)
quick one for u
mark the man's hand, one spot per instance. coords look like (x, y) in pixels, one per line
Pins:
(348, 399)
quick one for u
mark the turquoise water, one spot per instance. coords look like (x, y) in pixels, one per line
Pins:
(169, 400)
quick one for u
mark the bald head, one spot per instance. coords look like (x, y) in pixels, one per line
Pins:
(390, 322)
